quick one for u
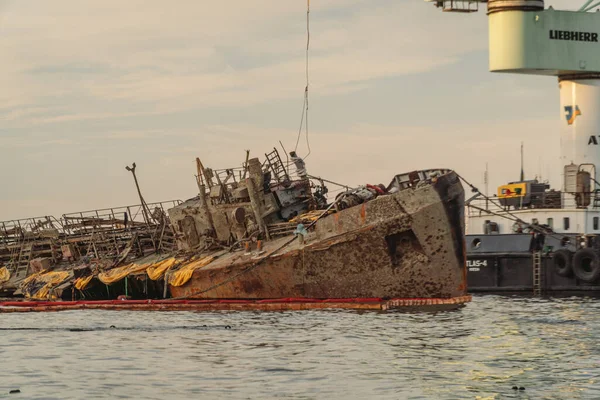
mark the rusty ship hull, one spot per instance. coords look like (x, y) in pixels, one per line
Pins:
(409, 244)
(257, 237)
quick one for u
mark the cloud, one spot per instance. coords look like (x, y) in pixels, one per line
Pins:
(193, 55)
(89, 87)
(8, 142)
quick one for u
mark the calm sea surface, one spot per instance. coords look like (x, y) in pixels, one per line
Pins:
(550, 347)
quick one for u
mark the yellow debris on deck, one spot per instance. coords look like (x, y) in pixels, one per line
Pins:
(158, 270)
(116, 274)
(155, 272)
(184, 274)
(4, 275)
(38, 286)
(83, 282)
(310, 216)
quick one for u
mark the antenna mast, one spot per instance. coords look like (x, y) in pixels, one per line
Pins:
(522, 171)
(486, 181)
(145, 210)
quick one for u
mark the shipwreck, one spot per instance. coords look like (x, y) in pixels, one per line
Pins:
(263, 235)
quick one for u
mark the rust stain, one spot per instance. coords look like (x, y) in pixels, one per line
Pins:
(338, 224)
(363, 214)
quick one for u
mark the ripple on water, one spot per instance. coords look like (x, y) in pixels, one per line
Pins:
(548, 346)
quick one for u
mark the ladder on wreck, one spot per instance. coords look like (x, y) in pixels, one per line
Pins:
(22, 265)
(277, 167)
(165, 239)
(537, 273)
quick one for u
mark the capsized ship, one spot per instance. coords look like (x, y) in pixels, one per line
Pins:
(261, 232)
(404, 240)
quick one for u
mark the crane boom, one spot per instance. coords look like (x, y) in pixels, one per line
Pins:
(525, 38)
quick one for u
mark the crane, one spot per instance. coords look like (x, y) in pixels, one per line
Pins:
(527, 38)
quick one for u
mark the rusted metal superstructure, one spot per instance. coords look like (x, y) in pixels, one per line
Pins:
(82, 241)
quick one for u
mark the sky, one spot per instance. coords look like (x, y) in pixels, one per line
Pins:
(88, 87)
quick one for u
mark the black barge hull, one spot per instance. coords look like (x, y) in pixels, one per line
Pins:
(504, 264)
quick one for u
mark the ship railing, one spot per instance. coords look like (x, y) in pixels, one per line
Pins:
(228, 176)
(409, 179)
(115, 218)
(478, 205)
(98, 227)
(596, 199)
(457, 6)
(228, 180)
(28, 227)
(14, 234)
(19, 229)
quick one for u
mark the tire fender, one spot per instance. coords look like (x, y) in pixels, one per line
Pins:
(586, 265)
(562, 261)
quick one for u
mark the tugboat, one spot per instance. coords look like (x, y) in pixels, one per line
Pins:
(530, 237)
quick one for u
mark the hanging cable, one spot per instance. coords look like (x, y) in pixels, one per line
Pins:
(304, 117)
(307, 81)
(301, 123)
